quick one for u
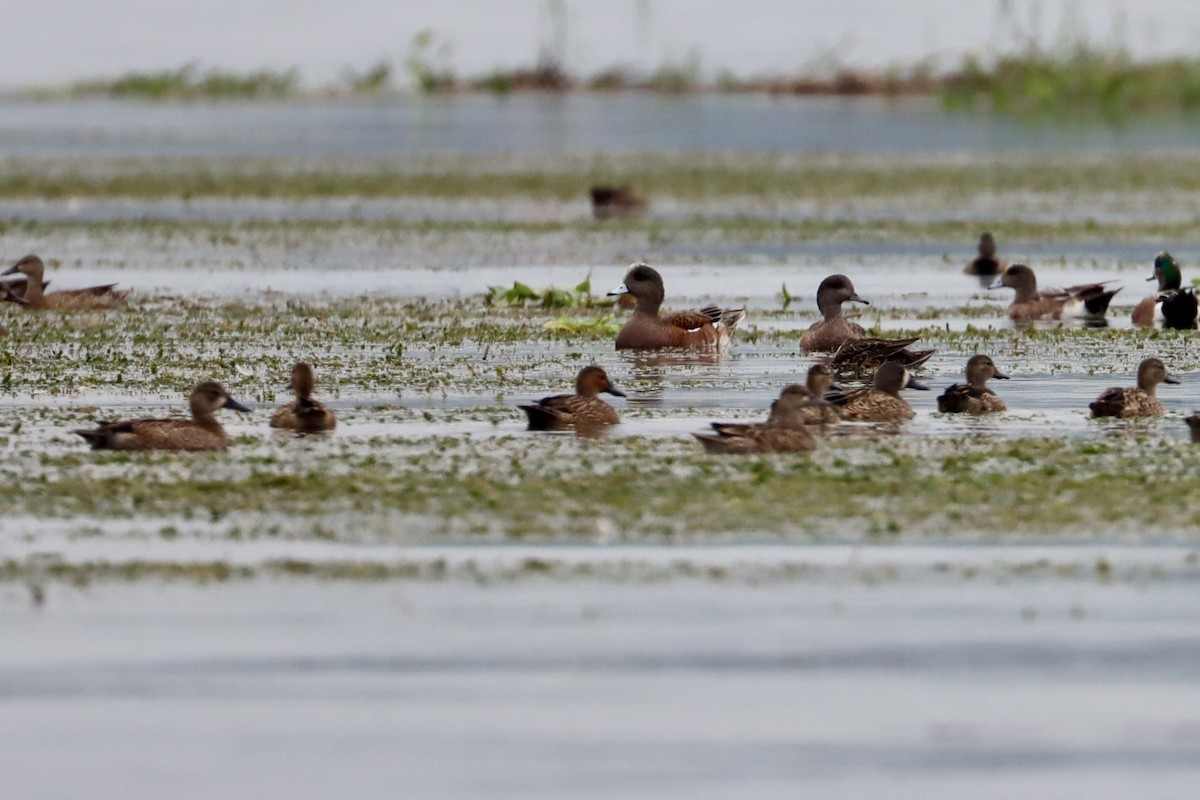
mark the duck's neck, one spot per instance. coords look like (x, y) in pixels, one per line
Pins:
(1027, 291)
(648, 305)
(831, 311)
(34, 295)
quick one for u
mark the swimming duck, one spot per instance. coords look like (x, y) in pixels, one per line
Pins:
(973, 397)
(69, 300)
(1088, 302)
(852, 349)
(1171, 306)
(1139, 402)
(619, 202)
(201, 432)
(1193, 423)
(881, 401)
(785, 430)
(582, 408)
(304, 414)
(986, 263)
(708, 328)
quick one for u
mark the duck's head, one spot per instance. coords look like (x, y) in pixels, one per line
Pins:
(594, 380)
(30, 265)
(304, 380)
(209, 396)
(819, 380)
(835, 290)
(987, 245)
(788, 410)
(981, 368)
(1152, 372)
(1166, 272)
(1018, 276)
(643, 282)
(891, 377)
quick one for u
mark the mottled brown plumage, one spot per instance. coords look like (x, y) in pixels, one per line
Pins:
(785, 431)
(98, 297)
(708, 328)
(583, 408)
(1087, 302)
(881, 401)
(618, 202)
(1140, 402)
(973, 397)
(852, 349)
(304, 414)
(201, 432)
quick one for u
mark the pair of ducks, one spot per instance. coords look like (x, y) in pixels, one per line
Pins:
(203, 431)
(712, 326)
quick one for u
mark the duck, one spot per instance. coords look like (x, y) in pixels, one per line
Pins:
(582, 408)
(1135, 402)
(1193, 423)
(708, 328)
(986, 263)
(1171, 306)
(785, 431)
(852, 349)
(35, 296)
(1087, 302)
(618, 202)
(304, 414)
(201, 432)
(973, 397)
(816, 413)
(881, 401)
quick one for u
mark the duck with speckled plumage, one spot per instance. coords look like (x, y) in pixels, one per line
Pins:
(1139, 401)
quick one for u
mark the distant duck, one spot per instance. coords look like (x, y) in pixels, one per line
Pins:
(852, 349)
(1139, 402)
(98, 297)
(708, 328)
(618, 202)
(304, 414)
(785, 431)
(582, 408)
(1172, 306)
(881, 401)
(1193, 423)
(1087, 302)
(986, 262)
(201, 432)
(973, 397)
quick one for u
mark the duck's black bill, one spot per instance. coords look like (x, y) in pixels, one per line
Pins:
(854, 298)
(235, 405)
(918, 386)
(999, 375)
(1169, 379)
(615, 391)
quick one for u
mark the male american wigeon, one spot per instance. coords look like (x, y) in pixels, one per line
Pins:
(785, 431)
(304, 414)
(881, 401)
(201, 432)
(619, 202)
(1135, 402)
(708, 328)
(974, 397)
(1086, 302)
(851, 347)
(583, 408)
(35, 296)
(986, 262)
(1170, 307)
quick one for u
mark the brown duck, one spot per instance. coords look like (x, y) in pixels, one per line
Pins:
(35, 295)
(618, 202)
(1139, 402)
(852, 349)
(201, 432)
(881, 401)
(973, 397)
(986, 262)
(785, 430)
(304, 414)
(706, 329)
(1193, 423)
(582, 408)
(1086, 302)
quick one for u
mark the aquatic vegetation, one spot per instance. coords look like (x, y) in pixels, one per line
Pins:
(189, 82)
(521, 295)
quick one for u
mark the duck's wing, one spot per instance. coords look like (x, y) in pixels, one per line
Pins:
(1110, 403)
(1179, 309)
(688, 320)
(549, 412)
(855, 355)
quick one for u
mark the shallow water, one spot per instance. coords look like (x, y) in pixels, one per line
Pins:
(924, 684)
